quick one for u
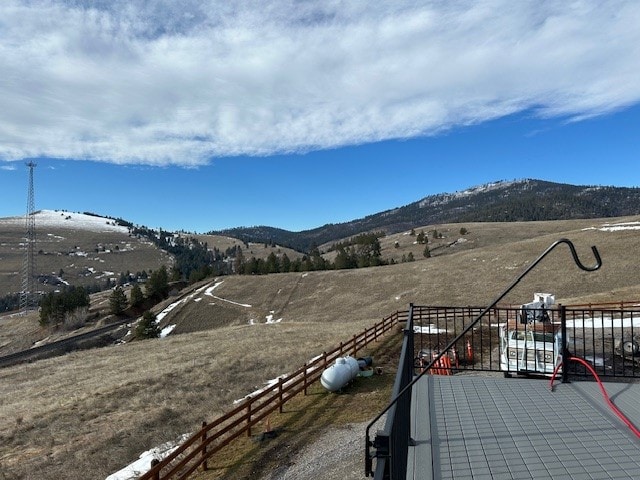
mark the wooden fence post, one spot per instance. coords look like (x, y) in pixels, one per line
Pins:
(280, 394)
(154, 462)
(305, 378)
(203, 454)
(249, 417)
(355, 345)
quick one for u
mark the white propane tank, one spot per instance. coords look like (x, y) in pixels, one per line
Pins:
(340, 373)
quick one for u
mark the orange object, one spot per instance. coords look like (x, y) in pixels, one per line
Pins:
(454, 354)
(442, 366)
(469, 352)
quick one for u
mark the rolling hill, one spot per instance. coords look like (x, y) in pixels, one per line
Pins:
(88, 250)
(96, 410)
(524, 200)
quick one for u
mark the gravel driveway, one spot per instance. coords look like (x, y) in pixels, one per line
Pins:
(338, 454)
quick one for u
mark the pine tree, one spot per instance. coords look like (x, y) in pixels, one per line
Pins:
(238, 264)
(137, 297)
(157, 285)
(285, 264)
(273, 263)
(117, 301)
(147, 327)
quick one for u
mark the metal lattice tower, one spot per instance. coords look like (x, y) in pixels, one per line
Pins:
(28, 294)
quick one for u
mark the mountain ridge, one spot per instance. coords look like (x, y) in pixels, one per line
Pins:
(499, 201)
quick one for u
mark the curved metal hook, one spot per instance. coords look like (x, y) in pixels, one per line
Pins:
(596, 254)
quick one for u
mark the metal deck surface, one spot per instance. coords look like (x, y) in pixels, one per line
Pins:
(472, 427)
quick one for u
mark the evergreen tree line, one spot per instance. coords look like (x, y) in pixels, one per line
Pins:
(359, 252)
(193, 259)
(55, 306)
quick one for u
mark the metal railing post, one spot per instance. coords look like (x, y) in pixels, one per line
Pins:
(565, 348)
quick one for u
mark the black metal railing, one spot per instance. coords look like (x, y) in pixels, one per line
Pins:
(502, 341)
(391, 444)
(394, 468)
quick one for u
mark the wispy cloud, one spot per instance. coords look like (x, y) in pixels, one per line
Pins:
(170, 82)
(8, 167)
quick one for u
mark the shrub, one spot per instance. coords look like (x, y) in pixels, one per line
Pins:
(147, 327)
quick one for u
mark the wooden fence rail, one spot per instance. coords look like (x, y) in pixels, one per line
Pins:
(214, 436)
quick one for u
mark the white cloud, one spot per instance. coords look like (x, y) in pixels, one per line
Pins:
(179, 82)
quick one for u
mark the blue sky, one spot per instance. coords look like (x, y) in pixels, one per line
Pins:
(202, 115)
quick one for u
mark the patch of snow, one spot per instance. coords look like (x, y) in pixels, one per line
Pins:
(596, 361)
(143, 464)
(212, 288)
(429, 329)
(597, 323)
(268, 384)
(197, 299)
(216, 285)
(604, 322)
(78, 221)
(619, 227)
(270, 319)
(615, 227)
(246, 305)
(444, 198)
(167, 330)
(167, 309)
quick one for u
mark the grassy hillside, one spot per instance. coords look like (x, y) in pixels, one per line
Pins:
(83, 254)
(84, 250)
(98, 410)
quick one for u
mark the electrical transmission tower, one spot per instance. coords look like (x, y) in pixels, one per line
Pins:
(28, 294)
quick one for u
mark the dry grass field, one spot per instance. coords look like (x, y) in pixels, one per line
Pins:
(89, 413)
(251, 249)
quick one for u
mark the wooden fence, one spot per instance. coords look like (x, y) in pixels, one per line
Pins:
(214, 436)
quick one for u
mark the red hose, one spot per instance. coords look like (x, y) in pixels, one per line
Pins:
(615, 409)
